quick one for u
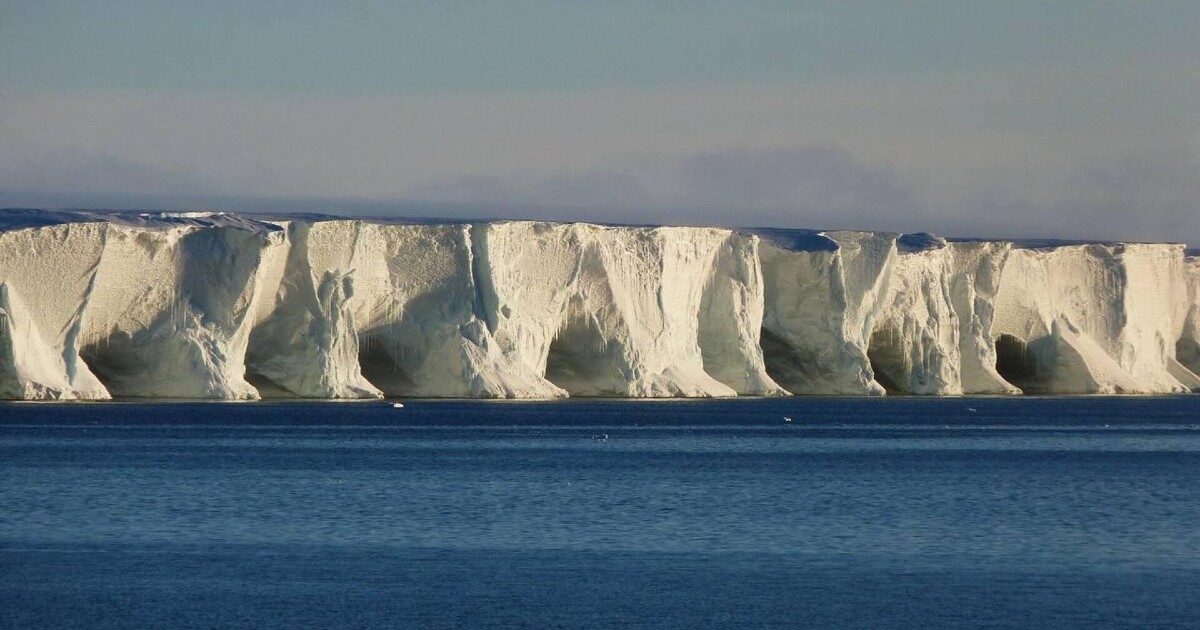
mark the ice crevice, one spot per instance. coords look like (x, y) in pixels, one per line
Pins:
(225, 306)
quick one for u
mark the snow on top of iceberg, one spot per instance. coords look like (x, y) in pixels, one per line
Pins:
(795, 239)
(202, 218)
(1052, 243)
(919, 242)
(24, 218)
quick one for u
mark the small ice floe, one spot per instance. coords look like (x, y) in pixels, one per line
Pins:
(397, 405)
(787, 419)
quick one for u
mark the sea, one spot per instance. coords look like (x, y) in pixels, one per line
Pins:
(1026, 512)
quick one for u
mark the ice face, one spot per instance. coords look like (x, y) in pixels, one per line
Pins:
(305, 341)
(46, 277)
(170, 309)
(823, 296)
(1187, 313)
(1095, 318)
(627, 311)
(217, 305)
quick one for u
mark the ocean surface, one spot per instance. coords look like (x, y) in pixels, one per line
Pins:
(894, 512)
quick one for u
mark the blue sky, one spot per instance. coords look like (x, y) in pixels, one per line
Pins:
(1039, 118)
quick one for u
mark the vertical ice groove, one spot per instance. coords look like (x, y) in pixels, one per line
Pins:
(730, 319)
(481, 274)
(308, 344)
(976, 269)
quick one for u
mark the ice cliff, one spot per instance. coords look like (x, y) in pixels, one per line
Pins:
(215, 305)
(1188, 312)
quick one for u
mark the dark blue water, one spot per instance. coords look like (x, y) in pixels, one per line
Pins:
(1032, 512)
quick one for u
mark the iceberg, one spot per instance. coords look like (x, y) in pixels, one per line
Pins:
(216, 305)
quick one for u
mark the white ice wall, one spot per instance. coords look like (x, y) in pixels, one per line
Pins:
(975, 269)
(914, 346)
(627, 311)
(171, 309)
(421, 326)
(731, 315)
(935, 336)
(46, 274)
(305, 341)
(1096, 318)
(212, 305)
(823, 293)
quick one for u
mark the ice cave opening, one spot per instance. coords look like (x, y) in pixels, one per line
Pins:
(379, 361)
(786, 365)
(581, 362)
(1187, 352)
(266, 387)
(1015, 363)
(115, 363)
(719, 353)
(8, 366)
(887, 361)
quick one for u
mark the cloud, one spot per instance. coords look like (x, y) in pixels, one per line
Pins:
(1143, 196)
(468, 190)
(1146, 196)
(84, 172)
(1103, 154)
(804, 186)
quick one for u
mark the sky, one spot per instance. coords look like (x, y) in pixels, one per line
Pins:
(1003, 119)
